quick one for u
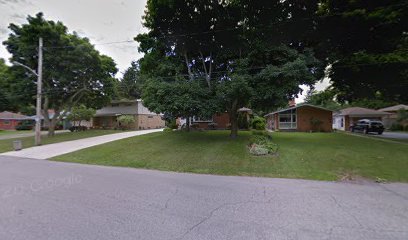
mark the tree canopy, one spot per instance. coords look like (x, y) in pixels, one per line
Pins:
(229, 54)
(130, 86)
(367, 44)
(73, 71)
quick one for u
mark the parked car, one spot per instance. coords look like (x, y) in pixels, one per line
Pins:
(367, 126)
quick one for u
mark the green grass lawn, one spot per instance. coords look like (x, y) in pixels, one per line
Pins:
(9, 132)
(7, 144)
(322, 156)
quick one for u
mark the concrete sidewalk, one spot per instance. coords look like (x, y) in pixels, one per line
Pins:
(56, 149)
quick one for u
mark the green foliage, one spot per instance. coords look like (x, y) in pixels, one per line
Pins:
(200, 74)
(396, 127)
(402, 116)
(261, 143)
(361, 66)
(130, 86)
(172, 124)
(325, 98)
(80, 113)
(4, 78)
(242, 121)
(168, 130)
(74, 72)
(126, 120)
(258, 123)
(316, 124)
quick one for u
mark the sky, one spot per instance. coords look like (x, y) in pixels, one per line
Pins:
(102, 21)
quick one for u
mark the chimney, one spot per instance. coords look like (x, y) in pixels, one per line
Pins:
(292, 102)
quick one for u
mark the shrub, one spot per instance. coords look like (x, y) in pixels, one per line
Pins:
(242, 121)
(126, 120)
(258, 123)
(168, 130)
(258, 150)
(24, 127)
(78, 128)
(262, 140)
(396, 127)
(172, 124)
(194, 126)
(406, 128)
(212, 125)
(316, 124)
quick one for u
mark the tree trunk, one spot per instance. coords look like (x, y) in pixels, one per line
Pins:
(53, 122)
(233, 114)
(188, 124)
(51, 130)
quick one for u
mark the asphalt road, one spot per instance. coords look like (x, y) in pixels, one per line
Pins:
(50, 200)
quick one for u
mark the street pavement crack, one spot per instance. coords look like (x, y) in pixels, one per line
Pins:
(210, 215)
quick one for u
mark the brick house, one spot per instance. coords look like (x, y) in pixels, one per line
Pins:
(217, 121)
(343, 119)
(390, 119)
(301, 117)
(9, 120)
(106, 117)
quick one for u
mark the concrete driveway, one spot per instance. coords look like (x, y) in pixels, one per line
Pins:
(393, 135)
(51, 200)
(56, 149)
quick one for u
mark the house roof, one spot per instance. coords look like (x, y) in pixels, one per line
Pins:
(13, 116)
(244, 109)
(126, 101)
(360, 112)
(298, 106)
(115, 111)
(394, 108)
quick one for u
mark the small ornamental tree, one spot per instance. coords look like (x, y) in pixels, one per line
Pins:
(126, 121)
(81, 113)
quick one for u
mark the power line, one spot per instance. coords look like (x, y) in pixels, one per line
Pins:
(236, 28)
(57, 91)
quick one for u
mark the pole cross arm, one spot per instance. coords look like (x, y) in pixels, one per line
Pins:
(26, 67)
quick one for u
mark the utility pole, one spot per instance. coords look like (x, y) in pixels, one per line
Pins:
(37, 73)
(39, 90)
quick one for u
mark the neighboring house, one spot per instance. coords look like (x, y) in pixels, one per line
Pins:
(390, 119)
(343, 119)
(62, 124)
(217, 121)
(301, 117)
(144, 119)
(9, 120)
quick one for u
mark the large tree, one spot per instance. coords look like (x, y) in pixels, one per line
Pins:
(4, 78)
(235, 53)
(73, 71)
(367, 44)
(130, 86)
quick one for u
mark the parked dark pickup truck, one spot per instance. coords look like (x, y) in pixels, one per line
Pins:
(367, 126)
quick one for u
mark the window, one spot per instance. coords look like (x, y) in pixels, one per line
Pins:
(287, 119)
(115, 104)
(149, 116)
(199, 119)
(6, 122)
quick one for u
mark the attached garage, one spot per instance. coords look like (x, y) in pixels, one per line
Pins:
(345, 118)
